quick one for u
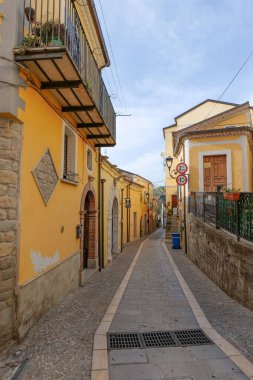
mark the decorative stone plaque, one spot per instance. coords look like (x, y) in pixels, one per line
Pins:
(45, 176)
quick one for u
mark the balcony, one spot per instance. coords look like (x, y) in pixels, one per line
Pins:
(56, 50)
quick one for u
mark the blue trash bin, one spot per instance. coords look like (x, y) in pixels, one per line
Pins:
(176, 240)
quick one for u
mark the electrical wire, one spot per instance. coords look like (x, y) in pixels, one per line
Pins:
(114, 61)
(13, 84)
(238, 72)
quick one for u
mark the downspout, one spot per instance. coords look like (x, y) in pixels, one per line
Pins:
(102, 222)
(148, 210)
(129, 211)
(99, 208)
(185, 232)
(128, 215)
(122, 220)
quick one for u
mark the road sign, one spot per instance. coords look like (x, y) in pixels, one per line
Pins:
(181, 168)
(181, 180)
(128, 203)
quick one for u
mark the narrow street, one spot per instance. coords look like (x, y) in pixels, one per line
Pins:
(154, 301)
(60, 345)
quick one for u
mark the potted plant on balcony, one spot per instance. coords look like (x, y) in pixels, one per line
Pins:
(231, 194)
(29, 42)
(51, 32)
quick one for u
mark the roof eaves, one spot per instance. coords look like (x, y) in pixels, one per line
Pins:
(205, 101)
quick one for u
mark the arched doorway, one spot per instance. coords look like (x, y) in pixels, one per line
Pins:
(115, 226)
(89, 227)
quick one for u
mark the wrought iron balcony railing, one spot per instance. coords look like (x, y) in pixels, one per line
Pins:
(71, 176)
(56, 23)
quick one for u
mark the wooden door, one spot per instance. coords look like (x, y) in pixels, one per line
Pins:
(174, 200)
(215, 172)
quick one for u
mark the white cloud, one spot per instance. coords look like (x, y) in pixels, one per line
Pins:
(170, 56)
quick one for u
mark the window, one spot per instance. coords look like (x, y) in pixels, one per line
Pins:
(69, 156)
(89, 159)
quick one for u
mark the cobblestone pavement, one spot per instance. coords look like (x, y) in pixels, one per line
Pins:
(60, 345)
(232, 320)
(154, 301)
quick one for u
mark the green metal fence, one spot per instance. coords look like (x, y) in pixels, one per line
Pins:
(233, 216)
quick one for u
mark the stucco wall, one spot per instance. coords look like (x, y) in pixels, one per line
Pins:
(38, 296)
(224, 260)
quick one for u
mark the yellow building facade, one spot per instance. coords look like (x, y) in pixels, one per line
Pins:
(214, 139)
(62, 204)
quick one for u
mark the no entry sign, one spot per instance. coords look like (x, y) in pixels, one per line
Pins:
(181, 168)
(181, 180)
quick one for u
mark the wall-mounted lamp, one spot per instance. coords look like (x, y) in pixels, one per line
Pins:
(169, 162)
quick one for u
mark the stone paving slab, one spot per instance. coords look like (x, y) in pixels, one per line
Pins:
(232, 320)
(60, 345)
(154, 276)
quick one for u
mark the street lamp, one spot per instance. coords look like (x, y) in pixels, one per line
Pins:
(169, 162)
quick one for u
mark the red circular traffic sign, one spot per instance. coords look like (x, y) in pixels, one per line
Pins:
(181, 180)
(181, 168)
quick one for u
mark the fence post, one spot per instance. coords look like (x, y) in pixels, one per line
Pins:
(204, 216)
(238, 220)
(195, 205)
(217, 210)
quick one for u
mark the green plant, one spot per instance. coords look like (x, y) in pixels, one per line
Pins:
(231, 190)
(30, 41)
(89, 84)
(51, 29)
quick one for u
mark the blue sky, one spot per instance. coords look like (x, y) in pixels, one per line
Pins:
(170, 56)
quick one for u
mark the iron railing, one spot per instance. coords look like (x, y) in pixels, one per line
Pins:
(71, 176)
(48, 23)
(234, 216)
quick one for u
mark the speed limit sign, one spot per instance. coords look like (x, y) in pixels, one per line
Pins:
(181, 168)
(181, 180)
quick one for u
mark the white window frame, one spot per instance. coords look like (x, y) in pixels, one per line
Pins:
(89, 150)
(72, 167)
(227, 153)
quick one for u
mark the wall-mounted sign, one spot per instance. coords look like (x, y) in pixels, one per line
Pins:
(181, 168)
(181, 180)
(128, 203)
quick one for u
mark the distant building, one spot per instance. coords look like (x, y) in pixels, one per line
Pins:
(215, 140)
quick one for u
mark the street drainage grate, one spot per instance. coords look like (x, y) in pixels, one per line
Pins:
(124, 341)
(192, 337)
(159, 339)
(120, 341)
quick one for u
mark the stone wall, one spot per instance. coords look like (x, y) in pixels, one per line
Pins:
(10, 150)
(224, 260)
(38, 296)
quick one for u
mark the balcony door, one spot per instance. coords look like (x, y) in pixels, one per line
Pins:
(215, 172)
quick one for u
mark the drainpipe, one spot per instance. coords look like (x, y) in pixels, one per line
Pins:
(185, 232)
(128, 215)
(102, 223)
(148, 210)
(122, 220)
(99, 207)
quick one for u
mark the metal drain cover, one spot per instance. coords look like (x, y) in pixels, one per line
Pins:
(124, 341)
(159, 339)
(192, 337)
(128, 340)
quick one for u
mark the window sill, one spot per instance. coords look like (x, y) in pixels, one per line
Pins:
(70, 182)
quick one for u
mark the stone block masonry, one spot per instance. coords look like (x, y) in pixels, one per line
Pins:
(224, 260)
(10, 151)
